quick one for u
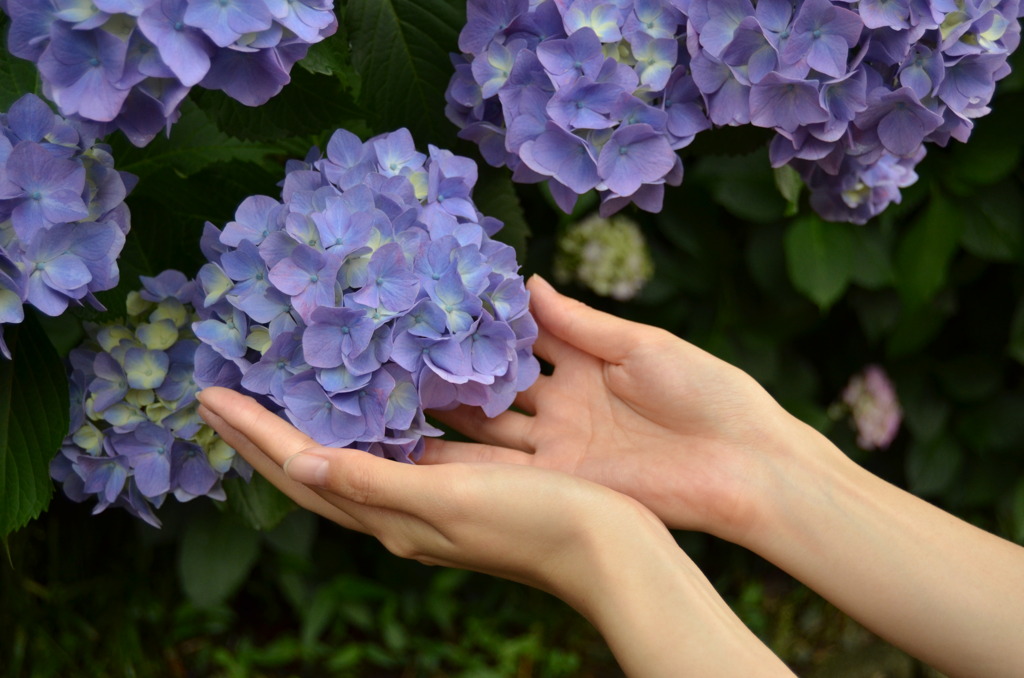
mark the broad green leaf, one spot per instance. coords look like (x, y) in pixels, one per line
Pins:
(259, 504)
(17, 77)
(33, 422)
(932, 465)
(216, 555)
(306, 111)
(194, 144)
(334, 57)
(294, 535)
(400, 48)
(495, 196)
(994, 227)
(744, 185)
(819, 258)
(872, 258)
(994, 149)
(924, 253)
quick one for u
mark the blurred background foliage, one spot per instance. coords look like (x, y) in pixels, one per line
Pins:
(933, 290)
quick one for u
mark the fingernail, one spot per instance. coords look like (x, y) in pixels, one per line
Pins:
(199, 396)
(307, 469)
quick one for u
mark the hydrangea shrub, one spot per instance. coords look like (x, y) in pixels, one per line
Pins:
(599, 94)
(371, 291)
(135, 437)
(128, 64)
(63, 219)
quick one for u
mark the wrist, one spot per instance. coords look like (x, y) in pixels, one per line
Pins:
(654, 607)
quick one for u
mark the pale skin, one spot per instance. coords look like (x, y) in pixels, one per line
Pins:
(635, 428)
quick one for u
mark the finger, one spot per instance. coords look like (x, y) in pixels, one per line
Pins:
(440, 451)
(267, 431)
(527, 400)
(302, 495)
(550, 348)
(508, 429)
(599, 334)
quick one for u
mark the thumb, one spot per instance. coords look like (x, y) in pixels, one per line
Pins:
(598, 333)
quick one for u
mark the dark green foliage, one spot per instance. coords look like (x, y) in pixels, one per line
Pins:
(33, 421)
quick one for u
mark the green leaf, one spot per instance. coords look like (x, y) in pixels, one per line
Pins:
(306, 111)
(872, 258)
(994, 149)
(744, 185)
(259, 504)
(400, 49)
(294, 535)
(17, 77)
(334, 57)
(195, 143)
(33, 422)
(932, 465)
(495, 196)
(819, 258)
(994, 228)
(924, 253)
(216, 555)
(789, 183)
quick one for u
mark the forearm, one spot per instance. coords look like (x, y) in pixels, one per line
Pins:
(660, 615)
(943, 590)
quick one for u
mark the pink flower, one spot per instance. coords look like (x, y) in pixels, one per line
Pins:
(875, 407)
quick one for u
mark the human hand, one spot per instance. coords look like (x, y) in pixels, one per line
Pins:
(641, 411)
(598, 550)
(534, 526)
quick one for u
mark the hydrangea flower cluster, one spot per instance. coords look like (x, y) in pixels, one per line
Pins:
(874, 406)
(371, 291)
(610, 256)
(135, 436)
(62, 214)
(852, 89)
(128, 64)
(600, 93)
(586, 94)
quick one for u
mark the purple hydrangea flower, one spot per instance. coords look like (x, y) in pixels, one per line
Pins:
(62, 215)
(371, 291)
(135, 437)
(128, 64)
(544, 87)
(853, 90)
